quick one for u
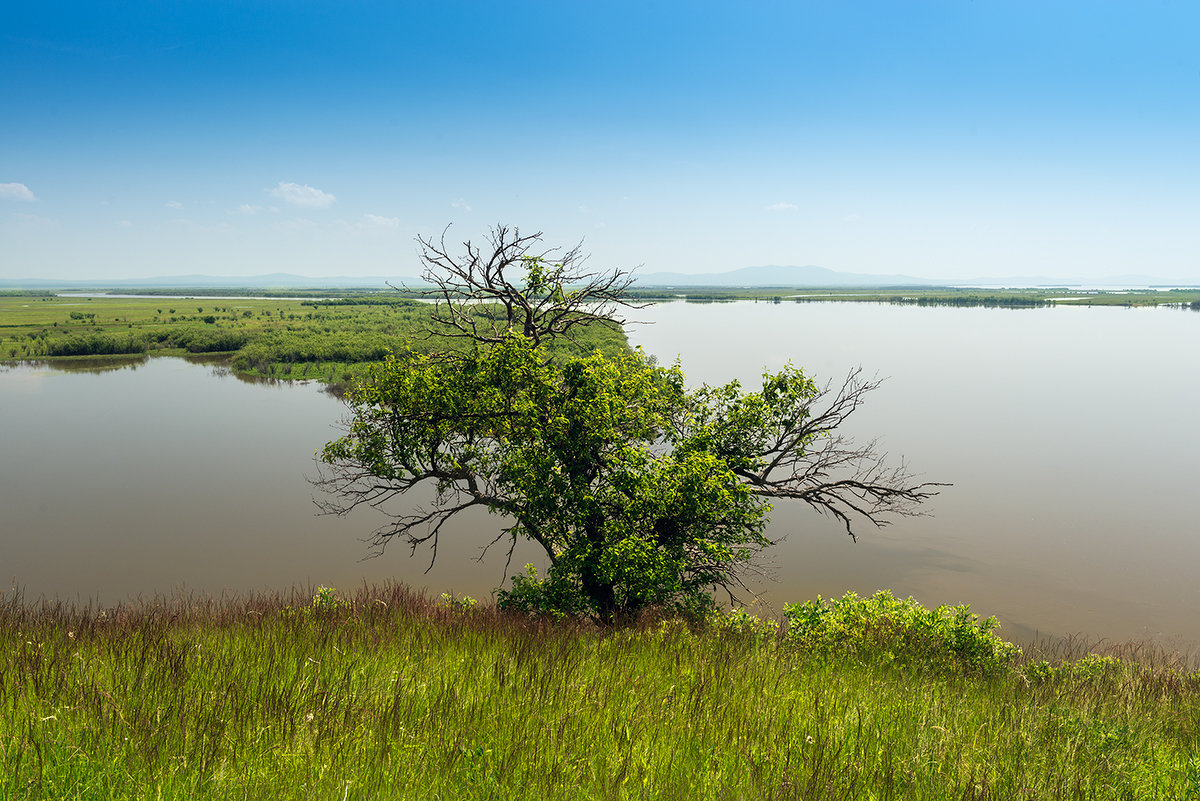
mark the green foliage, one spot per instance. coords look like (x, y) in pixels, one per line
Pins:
(740, 623)
(1092, 668)
(196, 339)
(321, 340)
(623, 477)
(553, 599)
(642, 493)
(96, 344)
(464, 603)
(899, 629)
(326, 599)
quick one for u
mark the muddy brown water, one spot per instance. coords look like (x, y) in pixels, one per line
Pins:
(1070, 436)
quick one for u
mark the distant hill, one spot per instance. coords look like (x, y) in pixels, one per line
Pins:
(775, 275)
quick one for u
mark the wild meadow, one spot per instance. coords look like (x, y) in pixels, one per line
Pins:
(383, 693)
(319, 339)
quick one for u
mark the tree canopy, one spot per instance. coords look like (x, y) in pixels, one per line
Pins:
(640, 491)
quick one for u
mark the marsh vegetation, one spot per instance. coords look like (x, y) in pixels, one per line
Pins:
(328, 340)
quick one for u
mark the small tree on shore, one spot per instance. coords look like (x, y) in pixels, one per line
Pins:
(640, 491)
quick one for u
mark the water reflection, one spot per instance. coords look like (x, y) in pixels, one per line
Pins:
(82, 364)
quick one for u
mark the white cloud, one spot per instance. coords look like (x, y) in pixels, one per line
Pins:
(307, 196)
(783, 207)
(460, 204)
(126, 223)
(173, 204)
(375, 221)
(16, 192)
(249, 209)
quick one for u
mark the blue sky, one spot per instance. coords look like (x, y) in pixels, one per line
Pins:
(939, 139)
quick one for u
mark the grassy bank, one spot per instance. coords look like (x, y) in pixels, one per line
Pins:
(388, 695)
(312, 339)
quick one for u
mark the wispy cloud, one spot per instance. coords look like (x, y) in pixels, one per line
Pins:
(126, 223)
(16, 192)
(783, 207)
(249, 209)
(460, 204)
(173, 204)
(302, 195)
(375, 221)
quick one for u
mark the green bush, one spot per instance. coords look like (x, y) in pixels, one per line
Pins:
(326, 600)
(203, 340)
(899, 630)
(539, 598)
(740, 623)
(96, 344)
(464, 604)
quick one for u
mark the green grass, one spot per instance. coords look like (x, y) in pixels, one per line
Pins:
(278, 339)
(388, 695)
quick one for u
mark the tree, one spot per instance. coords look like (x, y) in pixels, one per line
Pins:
(640, 491)
(522, 286)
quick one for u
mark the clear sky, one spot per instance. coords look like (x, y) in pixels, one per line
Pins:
(948, 139)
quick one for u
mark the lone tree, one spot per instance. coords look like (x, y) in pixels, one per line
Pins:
(640, 491)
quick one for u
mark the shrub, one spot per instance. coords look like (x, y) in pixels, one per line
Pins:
(203, 340)
(464, 604)
(900, 630)
(740, 623)
(96, 344)
(537, 598)
(326, 600)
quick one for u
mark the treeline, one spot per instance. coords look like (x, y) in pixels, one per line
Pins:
(367, 301)
(191, 339)
(96, 345)
(986, 301)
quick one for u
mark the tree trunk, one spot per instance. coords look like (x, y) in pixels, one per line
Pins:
(601, 593)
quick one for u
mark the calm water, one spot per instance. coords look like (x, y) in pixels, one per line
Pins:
(1069, 435)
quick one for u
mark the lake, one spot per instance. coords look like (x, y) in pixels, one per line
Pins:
(1068, 434)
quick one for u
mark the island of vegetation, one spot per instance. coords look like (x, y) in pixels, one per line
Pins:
(616, 674)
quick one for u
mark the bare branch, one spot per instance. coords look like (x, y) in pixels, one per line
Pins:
(811, 461)
(520, 286)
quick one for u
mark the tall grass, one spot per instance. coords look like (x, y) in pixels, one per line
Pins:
(386, 694)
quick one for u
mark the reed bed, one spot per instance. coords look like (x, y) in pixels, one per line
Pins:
(389, 694)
